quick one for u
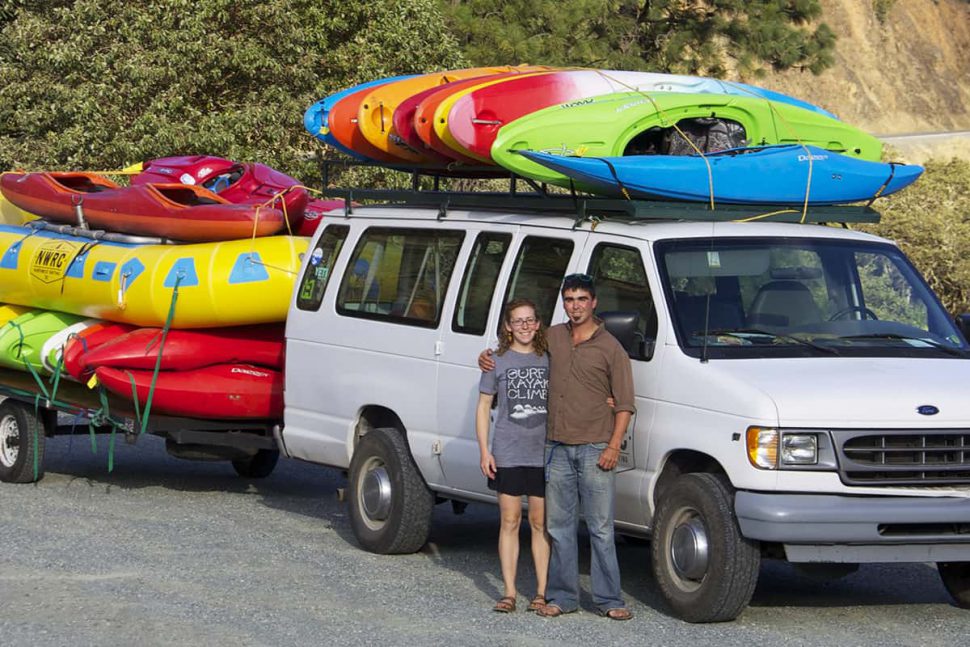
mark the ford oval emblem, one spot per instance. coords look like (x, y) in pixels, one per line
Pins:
(927, 410)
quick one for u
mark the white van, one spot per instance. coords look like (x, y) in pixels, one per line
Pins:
(801, 393)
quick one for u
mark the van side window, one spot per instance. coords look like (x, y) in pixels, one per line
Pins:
(538, 273)
(621, 285)
(478, 284)
(399, 275)
(320, 267)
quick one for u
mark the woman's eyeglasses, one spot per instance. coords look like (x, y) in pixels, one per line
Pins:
(528, 322)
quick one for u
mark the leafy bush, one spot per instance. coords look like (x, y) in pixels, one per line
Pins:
(931, 222)
(99, 84)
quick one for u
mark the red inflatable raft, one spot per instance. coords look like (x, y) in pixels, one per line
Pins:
(191, 349)
(176, 211)
(87, 340)
(222, 391)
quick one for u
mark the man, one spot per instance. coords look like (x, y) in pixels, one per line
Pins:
(587, 365)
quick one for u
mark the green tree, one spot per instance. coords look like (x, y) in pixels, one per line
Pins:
(687, 36)
(99, 84)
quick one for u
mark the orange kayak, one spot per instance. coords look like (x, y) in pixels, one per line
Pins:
(375, 118)
(342, 121)
(176, 211)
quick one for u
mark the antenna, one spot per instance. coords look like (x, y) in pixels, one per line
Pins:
(707, 300)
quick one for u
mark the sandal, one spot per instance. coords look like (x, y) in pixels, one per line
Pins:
(618, 613)
(505, 605)
(537, 603)
(551, 611)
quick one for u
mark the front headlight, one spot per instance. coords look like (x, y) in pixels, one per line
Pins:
(770, 448)
(799, 449)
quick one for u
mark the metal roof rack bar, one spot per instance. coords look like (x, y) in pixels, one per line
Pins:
(538, 200)
(608, 207)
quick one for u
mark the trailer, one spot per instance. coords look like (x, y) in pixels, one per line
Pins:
(32, 410)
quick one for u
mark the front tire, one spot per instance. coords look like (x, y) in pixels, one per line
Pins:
(22, 442)
(956, 579)
(390, 504)
(705, 569)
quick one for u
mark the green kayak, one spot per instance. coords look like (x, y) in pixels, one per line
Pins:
(633, 123)
(22, 338)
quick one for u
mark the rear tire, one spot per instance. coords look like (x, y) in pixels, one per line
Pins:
(260, 465)
(22, 443)
(390, 504)
(704, 567)
(956, 579)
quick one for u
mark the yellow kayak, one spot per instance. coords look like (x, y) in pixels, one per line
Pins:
(225, 283)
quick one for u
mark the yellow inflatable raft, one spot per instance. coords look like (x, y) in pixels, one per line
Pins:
(219, 284)
(11, 215)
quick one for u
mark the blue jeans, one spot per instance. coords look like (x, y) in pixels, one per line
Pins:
(574, 484)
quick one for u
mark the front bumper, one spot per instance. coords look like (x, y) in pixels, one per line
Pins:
(832, 528)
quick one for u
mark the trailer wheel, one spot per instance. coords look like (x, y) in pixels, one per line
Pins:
(21, 443)
(259, 465)
(956, 579)
(705, 569)
(390, 504)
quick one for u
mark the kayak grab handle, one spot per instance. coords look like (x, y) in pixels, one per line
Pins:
(77, 200)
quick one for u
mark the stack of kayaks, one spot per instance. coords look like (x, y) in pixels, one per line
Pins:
(629, 134)
(92, 302)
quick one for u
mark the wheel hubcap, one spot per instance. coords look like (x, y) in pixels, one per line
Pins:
(375, 493)
(9, 441)
(689, 549)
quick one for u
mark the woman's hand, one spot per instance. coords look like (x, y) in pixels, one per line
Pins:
(488, 465)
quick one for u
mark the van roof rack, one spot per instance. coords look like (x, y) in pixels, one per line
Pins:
(537, 199)
(583, 207)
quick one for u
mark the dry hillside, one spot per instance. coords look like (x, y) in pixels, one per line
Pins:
(909, 73)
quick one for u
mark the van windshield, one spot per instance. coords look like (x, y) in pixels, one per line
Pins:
(758, 297)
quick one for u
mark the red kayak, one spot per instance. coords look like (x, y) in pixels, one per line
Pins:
(222, 391)
(407, 127)
(191, 349)
(177, 211)
(86, 341)
(424, 127)
(237, 182)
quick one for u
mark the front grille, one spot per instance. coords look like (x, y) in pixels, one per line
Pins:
(904, 457)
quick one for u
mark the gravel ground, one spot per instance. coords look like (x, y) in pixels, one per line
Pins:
(168, 552)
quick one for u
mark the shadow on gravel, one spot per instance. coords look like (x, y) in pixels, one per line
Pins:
(782, 585)
(466, 543)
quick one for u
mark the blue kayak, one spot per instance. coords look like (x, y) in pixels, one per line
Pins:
(763, 175)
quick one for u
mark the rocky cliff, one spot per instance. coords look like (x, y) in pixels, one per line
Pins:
(908, 73)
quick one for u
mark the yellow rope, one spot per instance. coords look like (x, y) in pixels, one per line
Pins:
(767, 215)
(665, 119)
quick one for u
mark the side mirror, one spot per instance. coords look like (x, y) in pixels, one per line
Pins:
(963, 323)
(625, 327)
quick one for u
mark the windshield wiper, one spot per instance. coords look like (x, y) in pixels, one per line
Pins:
(950, 350)
(740, 332)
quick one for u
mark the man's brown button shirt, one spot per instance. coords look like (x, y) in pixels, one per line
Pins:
(581, 378)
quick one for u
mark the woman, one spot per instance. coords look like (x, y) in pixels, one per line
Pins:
(514, 466)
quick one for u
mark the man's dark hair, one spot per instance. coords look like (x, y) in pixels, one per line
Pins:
(579, 282)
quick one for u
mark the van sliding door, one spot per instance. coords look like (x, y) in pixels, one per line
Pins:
(500, 267)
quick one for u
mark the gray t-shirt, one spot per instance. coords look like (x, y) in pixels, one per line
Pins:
(520, 383)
